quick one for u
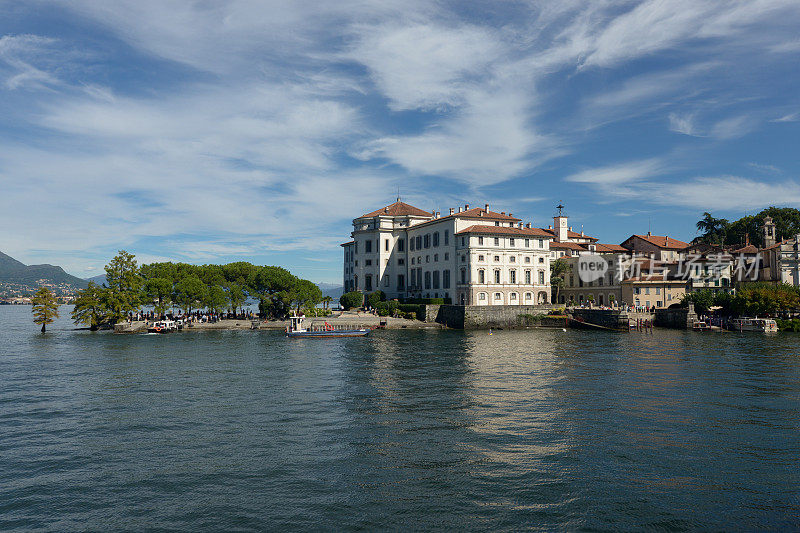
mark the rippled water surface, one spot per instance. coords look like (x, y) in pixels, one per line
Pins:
(537, 429)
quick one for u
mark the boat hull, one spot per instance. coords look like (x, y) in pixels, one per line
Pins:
(327, 334)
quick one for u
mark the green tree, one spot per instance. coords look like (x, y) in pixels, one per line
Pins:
(703, 300)
(236, 295)
(374, 298)
(714, 229)
(273, 285)
(190, 292)
(326, 302)
(124, 283)
(45, 307)
(351, 299)
(215, 299)
(159, 292)
(305, 294)
(558, 271)
(90, 307)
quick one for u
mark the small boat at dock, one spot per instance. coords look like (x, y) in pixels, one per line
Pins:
(163, 326)
(762, 325)
(297, 329)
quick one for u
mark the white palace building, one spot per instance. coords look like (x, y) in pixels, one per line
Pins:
(473, 256)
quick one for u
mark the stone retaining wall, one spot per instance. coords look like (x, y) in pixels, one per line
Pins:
(680, 318)
(484, 316)
(607, 318)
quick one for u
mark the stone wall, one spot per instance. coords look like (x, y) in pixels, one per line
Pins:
(607, 318)
(680, 318)
(485, 316)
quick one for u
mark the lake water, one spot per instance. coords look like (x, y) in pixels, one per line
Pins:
(431, 430)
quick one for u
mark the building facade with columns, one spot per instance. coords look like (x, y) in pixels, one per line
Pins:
(471, 256)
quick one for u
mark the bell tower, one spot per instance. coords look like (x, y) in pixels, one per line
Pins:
(560, 227)
(770, 237)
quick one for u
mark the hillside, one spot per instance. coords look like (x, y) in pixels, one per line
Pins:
(15, 272)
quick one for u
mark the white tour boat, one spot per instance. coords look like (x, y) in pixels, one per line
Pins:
(297, 329)
(763, 325)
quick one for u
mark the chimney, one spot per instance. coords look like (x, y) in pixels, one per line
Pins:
(649, 234)
(386, 209)
(452, 210)
(459, 209)
(510, 214)
(466, 207)
(581, 233)
(502, 212)
(570, 228)
(486, 207)
(480, 213)
(528, 225)
(549, 226)
(666, 240)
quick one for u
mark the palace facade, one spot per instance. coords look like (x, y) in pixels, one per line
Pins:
(471, 256)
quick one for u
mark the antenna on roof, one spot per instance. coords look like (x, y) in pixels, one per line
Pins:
(398, 193)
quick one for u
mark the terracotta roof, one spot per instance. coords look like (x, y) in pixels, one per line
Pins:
(606, 248)
(568, 246)
(749, 249)
(572, 235)
(773, 246)
(667, 243)
(347, 243)
(655, 277)
(500, 230)
(479, 212)
(398, 209)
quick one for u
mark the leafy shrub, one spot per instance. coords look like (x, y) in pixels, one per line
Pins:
(351, 299)
(789, 325)
(374, 298)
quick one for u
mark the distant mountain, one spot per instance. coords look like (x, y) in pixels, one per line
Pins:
(331, 289)
(98, 280)
(13, 271)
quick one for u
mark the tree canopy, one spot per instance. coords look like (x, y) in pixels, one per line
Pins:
(45, 307)
(748, 228)
(191, 287)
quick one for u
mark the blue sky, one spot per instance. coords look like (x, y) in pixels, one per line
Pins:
(256, 130)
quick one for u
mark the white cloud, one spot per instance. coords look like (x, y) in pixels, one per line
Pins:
(683, 124)
(791, 117)
(619, 174)
(426, 66)
(722, 193)
(733, 127)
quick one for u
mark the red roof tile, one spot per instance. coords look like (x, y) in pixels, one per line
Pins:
(668, 243)
(500, 230)
(347, 243)
(607, 248)
(568, 246)
(573, 235)
(749, 249)
(398, 209)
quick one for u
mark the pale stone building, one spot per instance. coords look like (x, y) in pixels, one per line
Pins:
(471, 256)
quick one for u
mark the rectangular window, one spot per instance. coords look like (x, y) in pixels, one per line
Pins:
(411, 244)
(446, 238)
(355, 245)
(427, 280)
(658, 290)
(401, 261)
(528, 277)
(512, 259)
(480, 240)
(419, 242)
(436, 238)
(367, 247)
(386, 281)
(527, 259)
(497, 276)
(647, 291)
(368, 282)
(512, 276)
(445, 278)
(435, 279)
(527, 243)
(496, 241)
(463, 275)
(386, 245)
(401, 245)
(462, 241)
(435, 258)
(401, 282)
(541, 277)
(541, 243)
(497, 259)
(446, 256)
(368, 262)
(481, 276)
(480, 258)
(511, 241)
(426, 240)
